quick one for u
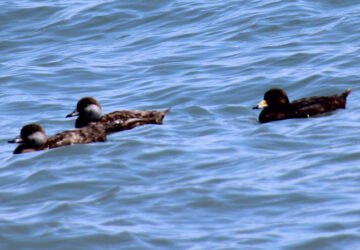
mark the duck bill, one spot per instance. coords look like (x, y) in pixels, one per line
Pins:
(261, 105)
(17, 139)
(74, 113)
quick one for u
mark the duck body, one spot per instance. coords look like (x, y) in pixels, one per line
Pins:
(89, 111)
(278, 107)
(33, 138)
(128, 119)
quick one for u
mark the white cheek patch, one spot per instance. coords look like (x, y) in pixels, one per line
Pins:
(93, 112)
(37, 138)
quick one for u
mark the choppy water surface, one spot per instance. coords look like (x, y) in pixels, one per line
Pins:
(211, 176)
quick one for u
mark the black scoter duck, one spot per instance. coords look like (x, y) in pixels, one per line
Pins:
(89, 111)
(277, 106)
(33, 138)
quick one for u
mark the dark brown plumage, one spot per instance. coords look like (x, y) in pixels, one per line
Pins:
(277, 106)
(33, 138)
(89, 111)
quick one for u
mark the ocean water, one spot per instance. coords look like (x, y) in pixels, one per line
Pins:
(210, 177)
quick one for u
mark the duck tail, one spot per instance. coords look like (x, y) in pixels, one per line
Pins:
(166, 111)
(160, 117)
(347, 92)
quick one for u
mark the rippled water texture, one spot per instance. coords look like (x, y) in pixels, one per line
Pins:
(211, 177)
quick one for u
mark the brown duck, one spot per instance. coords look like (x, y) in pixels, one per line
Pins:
(33, 138)
(89, 111)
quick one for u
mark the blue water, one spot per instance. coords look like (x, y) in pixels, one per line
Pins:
(211, 177)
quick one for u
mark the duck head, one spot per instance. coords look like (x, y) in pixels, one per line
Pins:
(32, 136)
(87, 108)
(274, 98)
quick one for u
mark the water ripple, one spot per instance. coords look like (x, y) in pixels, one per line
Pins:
(211, 176)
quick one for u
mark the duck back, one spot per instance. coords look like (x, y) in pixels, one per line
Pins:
(85, 135)
(125, 119)
(320, 104)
